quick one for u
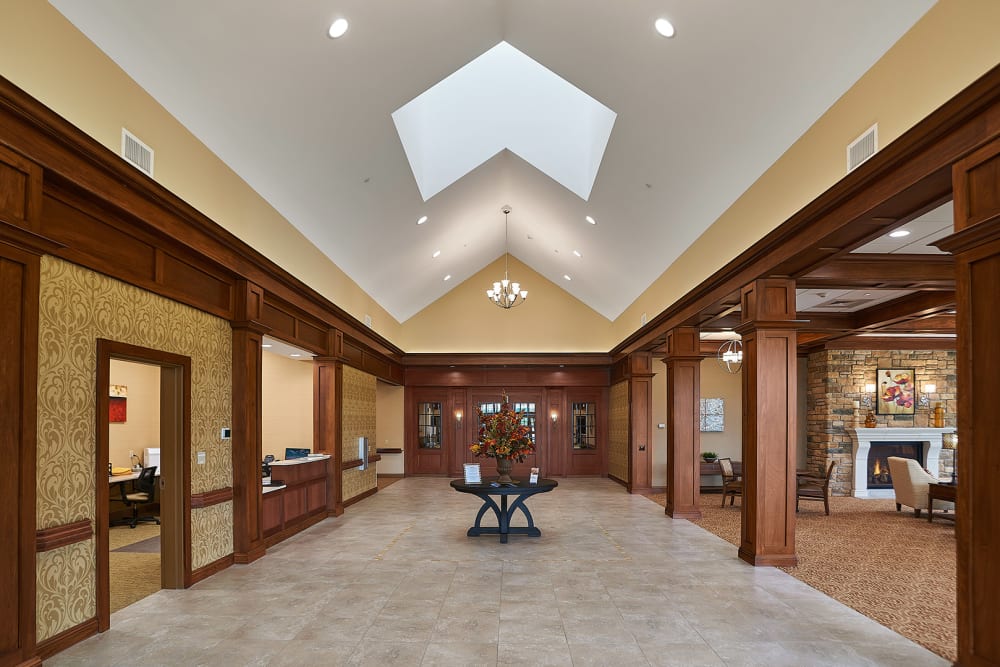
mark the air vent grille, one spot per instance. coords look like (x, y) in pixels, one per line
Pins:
(136, 153)
(862, 148)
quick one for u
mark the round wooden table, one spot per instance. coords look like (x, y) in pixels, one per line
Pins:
(521, 491)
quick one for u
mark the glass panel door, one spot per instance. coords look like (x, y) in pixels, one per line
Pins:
(584, 425)
(429, 425)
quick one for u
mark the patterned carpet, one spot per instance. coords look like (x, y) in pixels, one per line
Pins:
(892, 567)
(134, 575)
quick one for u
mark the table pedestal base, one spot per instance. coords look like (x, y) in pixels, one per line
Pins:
(504, 514)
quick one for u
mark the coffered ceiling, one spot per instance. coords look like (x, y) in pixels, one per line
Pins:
(308, 121)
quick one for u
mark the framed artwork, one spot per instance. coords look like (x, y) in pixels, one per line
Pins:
(713, 412)
(117, 406)
(895, 391)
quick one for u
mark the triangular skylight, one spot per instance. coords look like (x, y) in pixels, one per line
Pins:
(504, 99)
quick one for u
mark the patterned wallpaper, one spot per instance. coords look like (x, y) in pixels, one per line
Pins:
(76, 307)
(618, 428)
(357, 415)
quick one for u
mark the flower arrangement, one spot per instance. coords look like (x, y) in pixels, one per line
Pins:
(502, 435)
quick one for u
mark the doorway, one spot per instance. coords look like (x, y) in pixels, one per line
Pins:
(173, 482)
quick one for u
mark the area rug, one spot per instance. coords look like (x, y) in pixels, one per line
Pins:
(890, 566)
(134, 570)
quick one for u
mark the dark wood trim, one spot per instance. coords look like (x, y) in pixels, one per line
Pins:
(357, 463)
(246, 440)
(106, 350)
(209, 498)
(392, 475)
(615, 479)
(361, 496)
(62, 641)
(214, 567)
(388, 450)
(48, 539)
(294, 528)
(502, 359)
(247, 557)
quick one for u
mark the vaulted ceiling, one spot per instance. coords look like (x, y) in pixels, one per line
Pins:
(308, 122)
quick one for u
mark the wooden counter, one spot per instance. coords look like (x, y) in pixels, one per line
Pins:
(300, 503)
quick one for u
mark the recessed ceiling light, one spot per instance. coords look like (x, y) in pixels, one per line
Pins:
(295, 354)
(577, 253)
(436, 253)
(338, 28)
(266, 345)
(448, 277)
(422, 219)
(899, 233)
(664, 27)
(567, 277)
(590, 220)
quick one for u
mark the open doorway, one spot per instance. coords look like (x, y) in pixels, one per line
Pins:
(170, 375)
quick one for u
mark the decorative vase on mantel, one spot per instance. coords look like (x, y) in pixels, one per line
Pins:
(870, 420)
(504, 466)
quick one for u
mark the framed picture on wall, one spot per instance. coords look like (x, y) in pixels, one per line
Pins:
(117, 403)
(895, 391)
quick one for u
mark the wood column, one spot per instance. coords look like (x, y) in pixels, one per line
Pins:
(683, 362)
(248, 333)
(769, 421)
(640, 401)
(328, 383)
(976, 247)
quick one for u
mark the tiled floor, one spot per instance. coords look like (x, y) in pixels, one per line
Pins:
(395, 581)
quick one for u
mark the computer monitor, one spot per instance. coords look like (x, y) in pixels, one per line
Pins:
(296, 452)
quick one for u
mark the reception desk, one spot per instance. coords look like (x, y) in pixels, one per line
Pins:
(296, 498)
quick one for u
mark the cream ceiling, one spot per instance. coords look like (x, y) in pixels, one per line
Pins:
(306, 120)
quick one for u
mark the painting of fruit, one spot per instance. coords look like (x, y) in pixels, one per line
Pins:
(895, 391)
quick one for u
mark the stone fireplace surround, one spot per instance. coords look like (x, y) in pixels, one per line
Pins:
(862, 439)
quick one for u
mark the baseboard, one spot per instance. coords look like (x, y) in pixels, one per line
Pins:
(66, 638)
(620, 481)
(250, 556)
(391, 474)
(214, 567)
(312, 520)
(361, 496)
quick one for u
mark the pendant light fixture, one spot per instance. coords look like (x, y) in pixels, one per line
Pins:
(730, 356)
(506, 294)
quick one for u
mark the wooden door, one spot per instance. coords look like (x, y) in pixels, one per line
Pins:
(429, 441)
(526, 401)
(583, 438)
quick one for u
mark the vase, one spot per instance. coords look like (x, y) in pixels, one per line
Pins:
(504, 467)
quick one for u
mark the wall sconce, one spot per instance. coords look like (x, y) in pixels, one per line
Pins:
(924, 397)
(555, 416)
(869, 390)
(458, 417)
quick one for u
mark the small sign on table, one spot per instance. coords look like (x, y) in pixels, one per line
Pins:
(534, 476)
(473, 474)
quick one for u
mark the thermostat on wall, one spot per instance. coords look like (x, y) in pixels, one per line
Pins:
(226, 433)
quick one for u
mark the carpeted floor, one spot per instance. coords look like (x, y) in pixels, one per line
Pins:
(134, 568)
(888, 565)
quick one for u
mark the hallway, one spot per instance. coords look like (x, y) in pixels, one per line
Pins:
(395, 581)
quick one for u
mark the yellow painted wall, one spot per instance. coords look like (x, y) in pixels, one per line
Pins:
(43, 53)
(141, 428)
(286, 404)
(950, 47)
(464, 320)
(389, 426)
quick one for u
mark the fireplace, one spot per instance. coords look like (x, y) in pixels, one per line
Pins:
(878, 464)
(928, 445)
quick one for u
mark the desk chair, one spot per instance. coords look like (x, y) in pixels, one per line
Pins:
(143, 493)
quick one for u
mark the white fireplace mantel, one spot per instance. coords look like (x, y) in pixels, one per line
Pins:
(864, 437)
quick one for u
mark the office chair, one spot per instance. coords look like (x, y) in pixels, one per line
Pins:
(143, 493)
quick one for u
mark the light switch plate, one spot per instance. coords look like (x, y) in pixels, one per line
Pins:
(201, 458)
(226, 433)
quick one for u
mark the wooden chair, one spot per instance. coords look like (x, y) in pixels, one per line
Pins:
(810, 487)
(732, 484)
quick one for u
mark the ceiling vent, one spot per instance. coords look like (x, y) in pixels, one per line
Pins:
(136, 153)
(862, 148)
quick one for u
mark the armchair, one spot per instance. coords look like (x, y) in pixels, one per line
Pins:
(732, 484)
(910, 482)
(810, 487)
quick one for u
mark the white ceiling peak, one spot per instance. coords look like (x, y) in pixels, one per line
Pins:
(504, 99)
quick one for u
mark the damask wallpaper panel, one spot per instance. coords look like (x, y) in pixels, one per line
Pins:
(358, 418)
(618, 427)
(76, 307)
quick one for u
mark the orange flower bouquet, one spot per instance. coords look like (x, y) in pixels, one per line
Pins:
(502, 435)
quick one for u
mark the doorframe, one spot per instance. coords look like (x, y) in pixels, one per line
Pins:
(175, 451)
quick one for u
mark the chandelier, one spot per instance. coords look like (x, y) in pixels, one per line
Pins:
(730, 356)
(506, 294)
